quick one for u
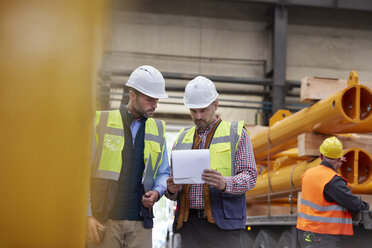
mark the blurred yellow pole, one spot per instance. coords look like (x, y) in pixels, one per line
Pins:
(47, 68)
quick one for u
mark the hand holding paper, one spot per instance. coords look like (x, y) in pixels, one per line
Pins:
(215, 179)
(188, 165)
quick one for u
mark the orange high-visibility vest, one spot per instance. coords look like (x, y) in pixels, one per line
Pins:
(316, 214)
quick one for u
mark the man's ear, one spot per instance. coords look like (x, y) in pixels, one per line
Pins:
(132, 96)
(216, 104)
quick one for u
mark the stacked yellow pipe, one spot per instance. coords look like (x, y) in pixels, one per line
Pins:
(47, 66)
(290, 153)
(273, 150)
(357, 170)
(280, 179)
(349, 110)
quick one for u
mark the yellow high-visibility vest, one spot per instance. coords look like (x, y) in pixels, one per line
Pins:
(109, 143)
(222, 148)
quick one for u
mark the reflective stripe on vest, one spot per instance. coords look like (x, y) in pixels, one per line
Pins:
(326, 219)
(315, 213)
(222, 148)
(154, 145)
(322, 208)
(109, 142)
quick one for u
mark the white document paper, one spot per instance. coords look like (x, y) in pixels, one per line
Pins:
(188, 165)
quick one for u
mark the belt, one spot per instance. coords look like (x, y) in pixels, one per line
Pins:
(200, 213)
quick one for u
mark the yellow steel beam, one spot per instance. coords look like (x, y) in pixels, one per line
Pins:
(349, 110)
(290, 153)
(261, 154)
(286, 177)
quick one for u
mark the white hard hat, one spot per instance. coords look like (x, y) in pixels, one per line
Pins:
(149, 81)
(200, 93)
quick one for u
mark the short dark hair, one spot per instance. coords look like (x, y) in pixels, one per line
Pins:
(134, 90)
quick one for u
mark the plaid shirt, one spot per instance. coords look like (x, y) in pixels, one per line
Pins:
(245, 170)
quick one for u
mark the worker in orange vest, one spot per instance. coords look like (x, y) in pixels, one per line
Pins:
(327, 204)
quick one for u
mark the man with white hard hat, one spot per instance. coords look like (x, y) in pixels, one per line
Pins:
(130, 166)
(213, 214)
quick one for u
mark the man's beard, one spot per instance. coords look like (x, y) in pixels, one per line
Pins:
(202, 124)
(147, 115)
(143, 112)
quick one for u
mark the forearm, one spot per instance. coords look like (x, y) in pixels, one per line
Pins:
(240, 183)
(338, 191)
(245, 168)
(352, 203)
(160, 182)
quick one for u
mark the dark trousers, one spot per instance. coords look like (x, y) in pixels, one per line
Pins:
(318, 240)
(198, 232)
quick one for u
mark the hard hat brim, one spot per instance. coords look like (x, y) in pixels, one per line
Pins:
(197, 106)
(145, 91)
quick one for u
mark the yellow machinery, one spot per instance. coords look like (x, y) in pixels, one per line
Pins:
(349, 110)
(271, 204)
(47, 68)
(285, 175)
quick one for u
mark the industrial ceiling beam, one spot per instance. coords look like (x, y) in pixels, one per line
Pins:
(280, 57)
(175, 88)
(219, 79)
(360, 5)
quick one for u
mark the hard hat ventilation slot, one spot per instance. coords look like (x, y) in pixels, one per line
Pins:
(146, 71)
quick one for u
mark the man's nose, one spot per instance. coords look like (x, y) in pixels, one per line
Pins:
(198, 116)
(155, 104)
